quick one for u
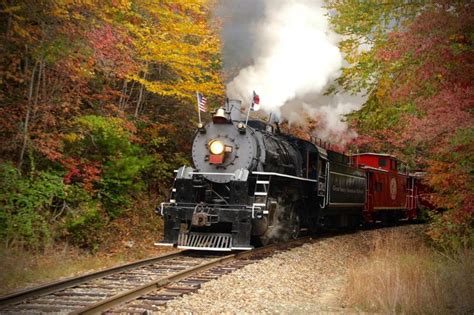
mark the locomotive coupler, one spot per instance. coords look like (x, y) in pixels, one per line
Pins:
(202, 216)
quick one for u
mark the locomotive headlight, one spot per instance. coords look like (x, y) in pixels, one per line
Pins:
(216, 147)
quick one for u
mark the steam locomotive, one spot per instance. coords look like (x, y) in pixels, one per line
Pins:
(252, 185)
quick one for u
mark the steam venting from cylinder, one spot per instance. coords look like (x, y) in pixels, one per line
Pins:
(287, 52)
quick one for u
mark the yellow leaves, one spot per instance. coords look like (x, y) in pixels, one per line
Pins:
(175, 37)
(169, 40)
(384, 85)
(122, 4)
(184, 88)
(60, 12)
(72, 137)
(78, 16)
(11, 9)
(20, 30)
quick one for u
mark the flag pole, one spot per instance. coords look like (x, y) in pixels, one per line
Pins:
(248, 114)
(199, 110)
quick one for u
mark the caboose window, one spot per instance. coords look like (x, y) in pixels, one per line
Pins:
(393, 165)
(382, 162)
(378, 186)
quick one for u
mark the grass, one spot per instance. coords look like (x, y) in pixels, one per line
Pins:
(22, 269)
(402, 274)
(126, 239)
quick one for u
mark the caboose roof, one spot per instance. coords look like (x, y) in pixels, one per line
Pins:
(375, 154)
(373, 168)
(418, 174)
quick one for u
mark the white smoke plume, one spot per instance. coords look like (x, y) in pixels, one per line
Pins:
(291, 58)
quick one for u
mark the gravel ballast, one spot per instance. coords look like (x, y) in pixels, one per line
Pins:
(306, 279)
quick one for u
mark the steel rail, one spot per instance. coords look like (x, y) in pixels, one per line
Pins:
(132, 294)
(70, 282)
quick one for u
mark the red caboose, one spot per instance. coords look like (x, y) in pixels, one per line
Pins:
(391, 194)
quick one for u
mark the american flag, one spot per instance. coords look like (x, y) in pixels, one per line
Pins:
(202, 102)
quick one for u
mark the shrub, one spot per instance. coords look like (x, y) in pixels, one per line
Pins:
(451, 175)
(99, 138)
(104, 144)
(120, 180)
(453, 230)
(27, 206)
(84, 226)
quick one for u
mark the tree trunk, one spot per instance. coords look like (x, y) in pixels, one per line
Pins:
(44, 81)
(27, 64)
(125, 105)
(123, 95)
(9, 21)
(38, 86)
(27, 116)
(140, 97)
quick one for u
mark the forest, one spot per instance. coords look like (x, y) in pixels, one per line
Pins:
(97, 107)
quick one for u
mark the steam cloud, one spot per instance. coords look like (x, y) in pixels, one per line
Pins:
(288, 54)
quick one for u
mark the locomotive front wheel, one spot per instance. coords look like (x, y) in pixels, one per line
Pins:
(295, 225)
(285, 225)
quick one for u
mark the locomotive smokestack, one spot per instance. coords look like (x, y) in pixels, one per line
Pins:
(234, 108)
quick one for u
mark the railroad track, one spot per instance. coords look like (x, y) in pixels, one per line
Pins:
(139, 287)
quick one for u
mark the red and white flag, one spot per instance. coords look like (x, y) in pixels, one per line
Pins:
(202, 102)
(255, 102)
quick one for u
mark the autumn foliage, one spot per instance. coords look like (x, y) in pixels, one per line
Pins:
(97, 104)
(415, 60)
(97, 97)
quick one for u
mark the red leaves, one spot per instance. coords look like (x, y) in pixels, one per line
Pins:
(428, 61)
(112, 50)
(429, 73)
(86, 173)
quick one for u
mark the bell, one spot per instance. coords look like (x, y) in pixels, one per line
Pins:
(220, 117)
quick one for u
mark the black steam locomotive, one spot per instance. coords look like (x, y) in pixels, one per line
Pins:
(252, 185)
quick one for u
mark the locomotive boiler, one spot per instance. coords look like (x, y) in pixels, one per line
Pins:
(251, 185)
